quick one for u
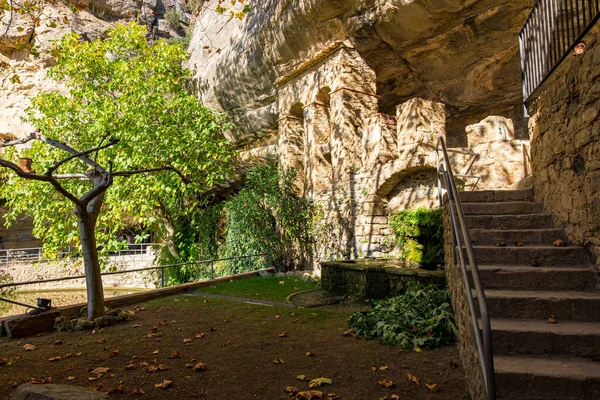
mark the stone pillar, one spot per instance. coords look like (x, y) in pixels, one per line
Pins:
(317, 159)
(420, 122)
(290, 149)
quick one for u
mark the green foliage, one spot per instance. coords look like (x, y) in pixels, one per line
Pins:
(270, 288)
(420, 234)
(420, 318)
(267, 217)
(120, 88)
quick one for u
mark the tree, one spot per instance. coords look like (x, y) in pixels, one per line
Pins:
(128, 124)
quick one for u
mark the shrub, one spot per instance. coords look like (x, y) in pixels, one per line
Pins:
(420, 234)
(420, 318)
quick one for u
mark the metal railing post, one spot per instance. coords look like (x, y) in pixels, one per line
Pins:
(212, 269)
(162, 277)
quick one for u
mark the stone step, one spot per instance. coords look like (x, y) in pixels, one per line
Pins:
(538, 278)
(509, 221)
(487, 196)
(546, 378)
(544, 256)
(510, 237)
(537, 304)
(538, 337)
(501, 208)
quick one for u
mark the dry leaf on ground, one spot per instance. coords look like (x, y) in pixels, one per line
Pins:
(278, 360)
(558, 243)
(200, 367)
(29, 347)
(552, 320)
(317, 382)
(290, 390)
(433, 388)
(413, 378)
(54, 359)
(164, 384)
(386, 383)
(309, 395)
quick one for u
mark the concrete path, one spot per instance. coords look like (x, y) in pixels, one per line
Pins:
(241, 300)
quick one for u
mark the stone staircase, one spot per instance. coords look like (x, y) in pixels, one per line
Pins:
(527, 280)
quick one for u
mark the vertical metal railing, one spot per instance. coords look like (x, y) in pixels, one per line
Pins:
(552, 31)
(461, 243)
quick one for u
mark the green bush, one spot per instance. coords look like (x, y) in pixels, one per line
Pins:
(420, 234)
(420, 318)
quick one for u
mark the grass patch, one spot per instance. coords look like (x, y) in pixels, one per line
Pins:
(268, 288)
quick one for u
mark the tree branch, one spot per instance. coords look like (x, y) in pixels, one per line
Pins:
(142, 171)
(79, 154)
(43, 178)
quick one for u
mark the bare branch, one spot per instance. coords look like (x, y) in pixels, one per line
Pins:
(8, 143)
(43, 178)
(97, 190)
(79, 154)
(10, 20)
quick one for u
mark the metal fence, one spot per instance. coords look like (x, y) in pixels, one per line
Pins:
(209, 272)
(552, 31)
(10, 257)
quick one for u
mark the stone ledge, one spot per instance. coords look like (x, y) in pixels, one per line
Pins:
(8, 324)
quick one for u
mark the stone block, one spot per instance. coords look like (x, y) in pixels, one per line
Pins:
(29, 325)
(55, 392)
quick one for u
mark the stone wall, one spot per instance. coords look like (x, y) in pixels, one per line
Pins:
(359, 165)
(467, 344)
(565, 146)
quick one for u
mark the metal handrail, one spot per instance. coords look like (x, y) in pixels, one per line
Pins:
(483, 336)
(159, 267)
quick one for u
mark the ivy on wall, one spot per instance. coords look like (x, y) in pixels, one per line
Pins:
(420, 234)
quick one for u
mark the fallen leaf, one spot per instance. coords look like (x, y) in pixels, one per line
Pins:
(58, 342)
(283, 334)
(29, 347)
(155, 352)
(500, 244)
(373, 369)
(387, 383)
(47, 380)
(317, 382)
(68, 355)
(138, 392)
(154, 368)
(418, 350)
(136, 325)
(200, 367)
(433, 388)
(93, 378)
(143, 364)
(187, 340)
(278, 360)
(54, 359)
(519, 244)
(413, 378)
(138, 309)
(14, 384)
(309, 394)
(552, 320)
(78, 354)
(310, 354)
(164, 384)
(559, 243)
(349, 332)
(70, 378)
(100, 370)
(130, 366)
(290, 390)
(3, 361)
(199, 335)
(332, 396)
(282, 282)
(175, 354)
(390, 397)
(114, 353)
(302, 378)
(384, 368)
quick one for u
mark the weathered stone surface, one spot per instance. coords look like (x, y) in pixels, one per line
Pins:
(464, 54)
(28, 325)
(55, 392)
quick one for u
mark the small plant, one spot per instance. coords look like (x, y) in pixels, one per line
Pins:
(173, 18)
(422, 317)
(420, 234)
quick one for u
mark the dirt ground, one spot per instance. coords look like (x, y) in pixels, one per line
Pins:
(238, 343)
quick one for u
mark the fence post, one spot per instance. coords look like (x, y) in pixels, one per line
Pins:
(162, 277)
(212, 269)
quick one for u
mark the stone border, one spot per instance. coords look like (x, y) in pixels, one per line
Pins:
(72, 311)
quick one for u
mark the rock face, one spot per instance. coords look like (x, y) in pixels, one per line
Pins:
(22, 75)
(460, 53)
(55, 392)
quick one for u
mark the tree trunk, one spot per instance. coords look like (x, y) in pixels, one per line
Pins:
(93, 280)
